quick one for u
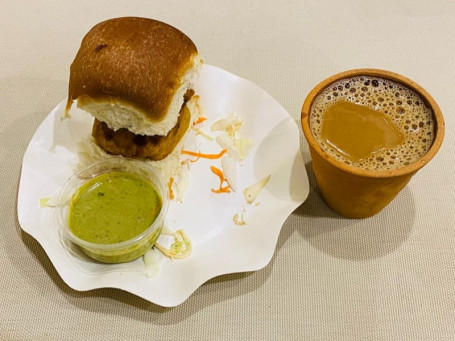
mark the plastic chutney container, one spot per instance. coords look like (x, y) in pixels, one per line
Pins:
(114, 209)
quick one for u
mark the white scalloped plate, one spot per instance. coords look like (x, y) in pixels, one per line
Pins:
(219, 245)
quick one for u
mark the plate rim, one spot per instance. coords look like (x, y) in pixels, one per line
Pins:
(77, 284)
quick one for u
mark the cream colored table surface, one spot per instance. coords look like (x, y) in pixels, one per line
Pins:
(390, 277)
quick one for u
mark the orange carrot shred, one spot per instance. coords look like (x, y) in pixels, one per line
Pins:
(221, 190)
(171, 192)
(220, 175)
(200, 120)
(218, 172)
(205, 156)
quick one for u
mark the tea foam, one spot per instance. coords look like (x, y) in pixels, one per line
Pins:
(403, 106)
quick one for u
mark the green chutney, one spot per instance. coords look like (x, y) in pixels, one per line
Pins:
(113, 207)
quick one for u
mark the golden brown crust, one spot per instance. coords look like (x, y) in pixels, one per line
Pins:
(136, 61)
(124, 142)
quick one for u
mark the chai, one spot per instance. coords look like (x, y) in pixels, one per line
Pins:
(368, 131)
(372, 123)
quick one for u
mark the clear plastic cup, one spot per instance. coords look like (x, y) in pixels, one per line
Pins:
(128, 250)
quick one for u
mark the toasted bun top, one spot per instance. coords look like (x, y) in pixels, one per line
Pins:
(134, 62)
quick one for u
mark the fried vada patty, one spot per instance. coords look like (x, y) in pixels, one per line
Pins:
(124, 142)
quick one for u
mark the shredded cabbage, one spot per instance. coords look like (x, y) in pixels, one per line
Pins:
(152, 264)
(230, 124)
(203, 134)
(239, 219)
(181, 248)
(51, 201)
(250, 193)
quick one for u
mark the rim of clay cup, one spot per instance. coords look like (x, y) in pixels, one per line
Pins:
(426, 97)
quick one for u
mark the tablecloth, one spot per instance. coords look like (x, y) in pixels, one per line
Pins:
(389, 277)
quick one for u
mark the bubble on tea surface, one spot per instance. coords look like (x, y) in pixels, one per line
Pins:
(402, 105)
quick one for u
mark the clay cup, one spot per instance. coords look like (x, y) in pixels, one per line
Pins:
(354, 192)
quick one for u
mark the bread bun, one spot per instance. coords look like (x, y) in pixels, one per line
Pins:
(155, 147)
(133, 73)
